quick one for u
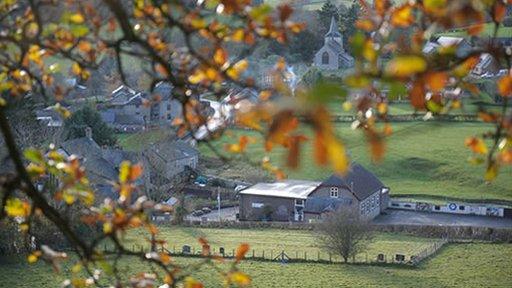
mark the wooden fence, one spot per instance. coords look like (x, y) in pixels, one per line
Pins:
(284, 257)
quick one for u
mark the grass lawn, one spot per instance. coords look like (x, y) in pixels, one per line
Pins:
(139, 141)
(273, 241)
(457, 265)
(421, 158)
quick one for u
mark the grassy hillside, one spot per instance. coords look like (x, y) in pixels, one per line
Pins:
(458, 265)
(421, 158)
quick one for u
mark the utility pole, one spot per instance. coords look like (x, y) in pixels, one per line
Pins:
(218, 201)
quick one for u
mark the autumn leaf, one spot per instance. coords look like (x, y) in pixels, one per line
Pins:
(406, 65)
(241, 251)
(239, 278)
(505, 86)
(402, 16)
(477, 145)
(192, 283)
(436, 81)
(14, 207)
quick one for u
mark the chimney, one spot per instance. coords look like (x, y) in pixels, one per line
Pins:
(88, 132)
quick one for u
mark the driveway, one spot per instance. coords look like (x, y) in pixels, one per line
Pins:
(225, 214)
(442, 219)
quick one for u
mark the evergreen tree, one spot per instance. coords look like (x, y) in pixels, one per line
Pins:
(348, 22)
(325, 14)
(88, 117)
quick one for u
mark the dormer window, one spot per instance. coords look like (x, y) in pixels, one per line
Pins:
(334, 192)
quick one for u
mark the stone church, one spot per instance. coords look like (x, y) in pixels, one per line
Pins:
(332, 56)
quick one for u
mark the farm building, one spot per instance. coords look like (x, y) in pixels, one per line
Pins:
(298, 200)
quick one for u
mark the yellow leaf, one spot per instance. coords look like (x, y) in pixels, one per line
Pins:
(32, 258)
(192, 283)
(406, 65)
(77, 18)
(492, 171)
(239, 278)
(107, 227)
(68, 198)
(14, 207)
(337, 155)
(238, 35)
(124, 171)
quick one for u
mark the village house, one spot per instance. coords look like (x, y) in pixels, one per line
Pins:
(101, 164)
(308, 201)
(128, 110)
(332, 56)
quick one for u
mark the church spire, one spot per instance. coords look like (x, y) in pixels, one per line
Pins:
(333, 29)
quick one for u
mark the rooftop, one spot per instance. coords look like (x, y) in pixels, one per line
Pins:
(297, 189)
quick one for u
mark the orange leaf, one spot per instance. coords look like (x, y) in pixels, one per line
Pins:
(417, 95)
(241, 251)
(477, 145)
(499, 11)
(402, 16)
(505, 86)
(436, 81)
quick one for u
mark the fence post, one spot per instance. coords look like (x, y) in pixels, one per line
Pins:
(296, 255)
(252, 253)
(174, 249)
(318, 256)
(263, 254)
(233, 252)
(330, 258)
(305, 256)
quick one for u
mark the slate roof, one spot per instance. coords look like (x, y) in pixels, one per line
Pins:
(99, 169)
(333, 29)
(360, 181)
(318, 205)
(296, 189)
(125, 119)
(163, 89)
(170, 151)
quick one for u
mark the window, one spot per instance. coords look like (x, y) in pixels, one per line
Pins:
(461, 207)
(325, 58)
(299, 202)
(334, 192)
(437, 207)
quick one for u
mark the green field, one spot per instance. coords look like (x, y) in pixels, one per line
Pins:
(273, 241)
(422, 158)
(457, 265)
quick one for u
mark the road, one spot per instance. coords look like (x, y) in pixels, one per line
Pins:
(225, 214)
(442, 219)
(396, 217)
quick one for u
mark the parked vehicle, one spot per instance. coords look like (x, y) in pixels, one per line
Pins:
(206, 210)
(197, 213)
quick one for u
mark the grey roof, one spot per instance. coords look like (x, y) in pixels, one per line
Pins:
(108, 116)
(98, 168)
(318, 205)
(360, 181)
(163, 89)
(171, 151)
(121, 95)
(333, 29)
(296, 189)
(126, 119)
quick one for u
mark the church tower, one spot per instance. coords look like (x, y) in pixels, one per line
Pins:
(334, 33)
